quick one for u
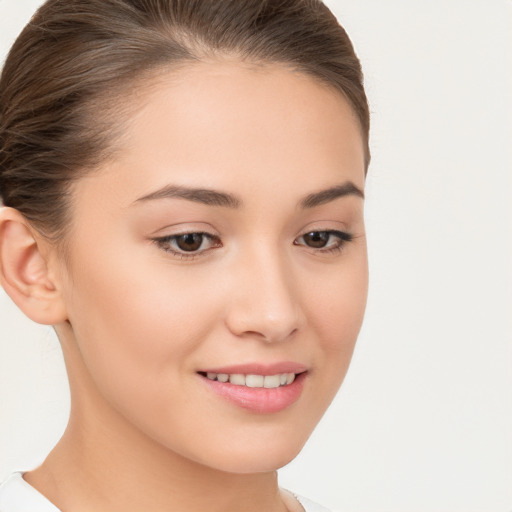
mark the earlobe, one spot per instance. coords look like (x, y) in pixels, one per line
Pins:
(24, 271)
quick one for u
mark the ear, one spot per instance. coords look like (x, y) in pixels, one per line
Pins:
(24, 270)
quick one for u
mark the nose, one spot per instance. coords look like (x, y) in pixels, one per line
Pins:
(264, 301)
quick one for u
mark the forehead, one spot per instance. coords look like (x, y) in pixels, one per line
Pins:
(235, 125)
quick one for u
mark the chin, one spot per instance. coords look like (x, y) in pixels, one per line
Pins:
(257, 464)
(244, 457)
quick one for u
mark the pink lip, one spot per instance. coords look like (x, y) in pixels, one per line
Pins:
(260, 369)
(259, 400)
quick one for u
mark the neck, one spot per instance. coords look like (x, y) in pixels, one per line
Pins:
(104, 463)
(110, 476)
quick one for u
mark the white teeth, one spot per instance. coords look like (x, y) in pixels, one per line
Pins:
(254, 381)
(237, 378)
(272, 381)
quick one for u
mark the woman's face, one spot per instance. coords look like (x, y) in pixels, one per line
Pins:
(224, 242)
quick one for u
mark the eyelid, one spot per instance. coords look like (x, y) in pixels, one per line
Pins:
(184, 228)
(344, 235)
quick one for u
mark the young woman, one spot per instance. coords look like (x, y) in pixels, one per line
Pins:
(182, 184)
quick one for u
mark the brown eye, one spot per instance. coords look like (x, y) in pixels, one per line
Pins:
(190, 242)
(324, 241)
(316, 239)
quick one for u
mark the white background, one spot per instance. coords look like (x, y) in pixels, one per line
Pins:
(424, 418)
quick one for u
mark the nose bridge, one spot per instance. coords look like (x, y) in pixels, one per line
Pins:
(265, 302)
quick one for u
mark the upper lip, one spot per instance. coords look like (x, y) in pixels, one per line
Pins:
(259, 368)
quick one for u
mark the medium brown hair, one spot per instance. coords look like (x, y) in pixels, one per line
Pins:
(66, 80)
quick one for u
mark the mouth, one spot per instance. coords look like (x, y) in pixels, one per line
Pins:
(252, 380)
(260, 390)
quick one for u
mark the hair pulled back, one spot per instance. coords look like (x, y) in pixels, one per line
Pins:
(65, 83)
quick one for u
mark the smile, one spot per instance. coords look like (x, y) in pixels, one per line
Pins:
(254, 381)
(258, 388)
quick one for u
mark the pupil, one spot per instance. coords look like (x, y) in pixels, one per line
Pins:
(317, 239)
(190, 242)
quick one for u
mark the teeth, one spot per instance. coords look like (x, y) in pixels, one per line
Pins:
(254, 381)
(237, 379)
(272, 381)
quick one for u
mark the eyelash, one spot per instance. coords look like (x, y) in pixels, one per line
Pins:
(165, 242)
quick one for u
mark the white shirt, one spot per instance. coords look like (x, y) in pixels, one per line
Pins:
(17, 495)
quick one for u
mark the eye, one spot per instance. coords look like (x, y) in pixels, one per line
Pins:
(188, 244)
(324, 241)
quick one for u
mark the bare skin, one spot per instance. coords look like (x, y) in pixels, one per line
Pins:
(141, 319)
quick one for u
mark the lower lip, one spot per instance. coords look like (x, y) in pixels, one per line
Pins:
(260, 400)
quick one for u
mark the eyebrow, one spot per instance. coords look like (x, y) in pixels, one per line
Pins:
(326, 196)
(212, 197)
(198, 195)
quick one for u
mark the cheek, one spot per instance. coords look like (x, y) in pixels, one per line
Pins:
(336, 310)
(337, 306)
(131, 323)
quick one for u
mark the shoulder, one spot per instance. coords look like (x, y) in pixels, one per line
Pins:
(16, 495)
(296, 502)
(311, 506)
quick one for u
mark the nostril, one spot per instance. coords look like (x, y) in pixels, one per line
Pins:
(269, 335)
(266, 310)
